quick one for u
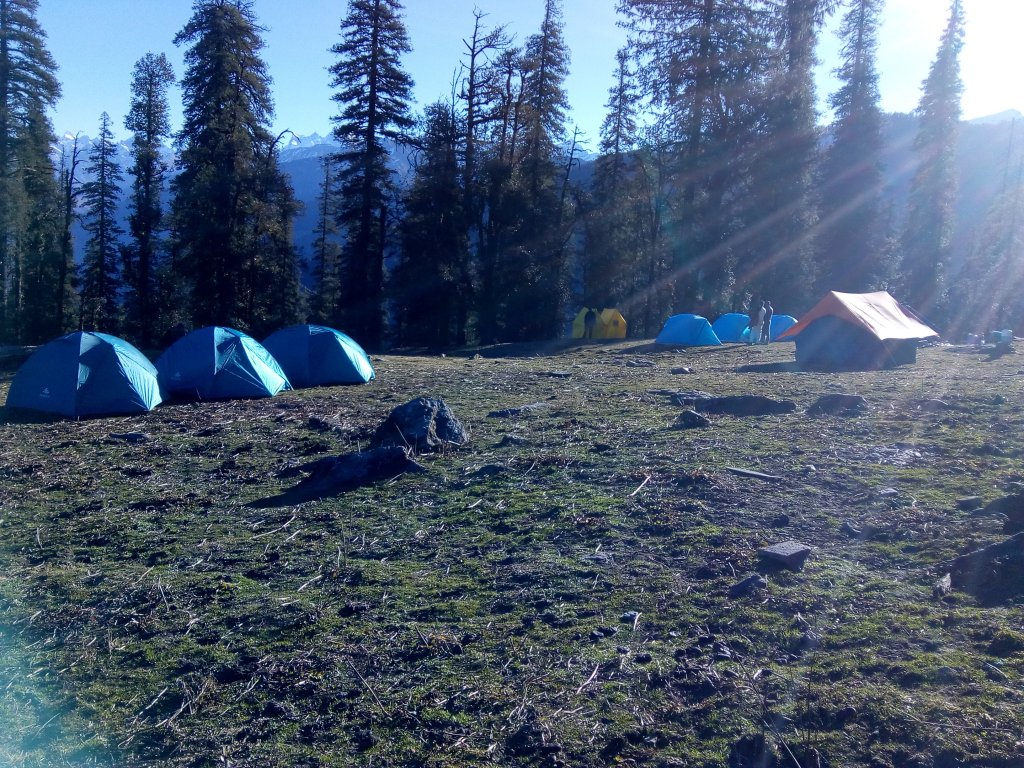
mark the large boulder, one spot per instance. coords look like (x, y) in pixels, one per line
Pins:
(423, 425)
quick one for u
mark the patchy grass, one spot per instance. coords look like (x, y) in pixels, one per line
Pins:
(557, 592)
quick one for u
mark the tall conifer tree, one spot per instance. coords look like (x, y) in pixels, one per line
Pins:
(373, 93)
(432, 284)
(779, 261)
(149, 121)
(230, 197)
(30, 254)
(100, 195)
(929, 225)
(698, 64)
(852, 240)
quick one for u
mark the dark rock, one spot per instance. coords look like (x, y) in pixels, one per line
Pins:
(969, 503)
(682, 370)
(556, 374)
(1012, 507)
(608, 631)
(931, 405)
(688, 398)
(613, 748)
(129, 437)
(750, 584)
(744, 405)
(506, 413)
(424, 424)
(751, 751)
(352, 470)
(780, 521)
(274, 709)
(994, 571)
(838, 405)
(512, 440)
(597, 635)
(639, 364)
(690, 419)
(629, 617)
(644, 658)
(788, 554)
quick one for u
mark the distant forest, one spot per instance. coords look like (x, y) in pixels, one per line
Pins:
(714, 186)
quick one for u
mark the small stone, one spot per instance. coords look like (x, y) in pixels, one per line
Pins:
(629, 617)
(682, 370)
(608, 631)
(644, 658)
(838, 404)
(690, 419)
(969, 503)
(947, 675)
(750, 584)
(597, 635)
(888, 492)
(789, 554)
(780, 521)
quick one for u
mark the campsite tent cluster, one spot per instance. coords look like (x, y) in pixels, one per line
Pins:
(95, 374)
(695, 331)
(843, 331)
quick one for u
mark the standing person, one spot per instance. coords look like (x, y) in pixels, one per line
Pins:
(756, 317)
(589, 321)
(766, 324)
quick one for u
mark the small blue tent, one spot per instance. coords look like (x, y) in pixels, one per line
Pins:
(689, 331)
(217, 363)
(781, 324)
(86, 374)
(314, 356)
(730, 326)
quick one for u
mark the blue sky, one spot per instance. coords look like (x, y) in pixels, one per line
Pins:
(97, 43)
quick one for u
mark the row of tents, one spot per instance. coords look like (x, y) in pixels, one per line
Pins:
(695, 331)
(843, 331)
(96, 374)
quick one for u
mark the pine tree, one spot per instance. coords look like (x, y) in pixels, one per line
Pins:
(929, 225)
(779, 261)
(149, 121)
(433, 282)
(100, 195)
(852, 240)
(700, 64)
(231, 201)
(611, 250)
(326, 250)
(537, 294)
(373, 94)
(30, 254)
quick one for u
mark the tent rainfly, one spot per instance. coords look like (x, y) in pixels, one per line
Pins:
(216, 363)
(857, 331)
(86, 374)
(730, 326)
(316, 356)
(610, 324)
(688, 331)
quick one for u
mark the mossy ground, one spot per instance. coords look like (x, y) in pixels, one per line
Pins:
(556, 592)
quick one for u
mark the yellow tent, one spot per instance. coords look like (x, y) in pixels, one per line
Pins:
(610, 325)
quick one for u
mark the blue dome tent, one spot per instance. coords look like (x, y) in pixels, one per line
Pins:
(314, 355)
(781, 324)
(86, 374)
(689, 331)
(215, 363)
(730, 326)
